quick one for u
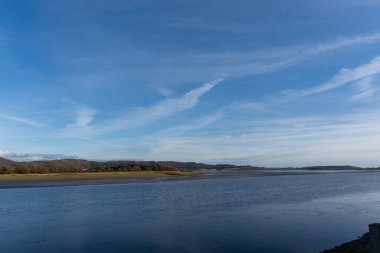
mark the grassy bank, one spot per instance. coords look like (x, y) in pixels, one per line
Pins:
(66, 176)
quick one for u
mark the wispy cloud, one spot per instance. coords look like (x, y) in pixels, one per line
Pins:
(366, 90)
(84, 116)
(20, 120)
(196, 123)
(344, 42)
(343, 77)
(140, 116)
(166, 92)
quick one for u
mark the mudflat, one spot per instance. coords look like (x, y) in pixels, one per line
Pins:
(72, 179)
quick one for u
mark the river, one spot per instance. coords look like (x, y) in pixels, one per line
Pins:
(243, 213)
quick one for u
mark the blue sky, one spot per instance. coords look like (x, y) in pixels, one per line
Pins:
(269, 83)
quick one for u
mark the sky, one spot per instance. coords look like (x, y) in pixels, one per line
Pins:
(267, 83)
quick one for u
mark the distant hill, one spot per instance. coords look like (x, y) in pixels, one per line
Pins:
(200, 166)
(78, 165)
(5, 161)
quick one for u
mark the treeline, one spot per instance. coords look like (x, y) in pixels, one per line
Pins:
(75, 166)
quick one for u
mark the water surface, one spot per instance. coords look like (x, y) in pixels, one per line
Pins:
(284, 214)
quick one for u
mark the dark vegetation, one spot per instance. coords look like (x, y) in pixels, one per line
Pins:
(361, 245)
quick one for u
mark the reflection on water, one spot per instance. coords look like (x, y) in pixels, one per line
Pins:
(299, 213)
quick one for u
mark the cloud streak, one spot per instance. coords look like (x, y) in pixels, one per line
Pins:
(20, 120)
(197, 123)
(366, 90)
(342, 78)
